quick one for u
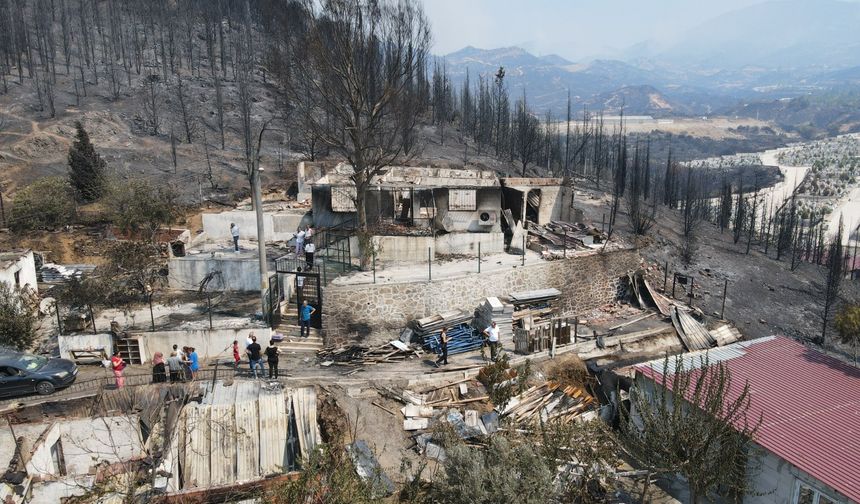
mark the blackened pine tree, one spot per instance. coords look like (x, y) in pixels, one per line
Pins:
(833, 278)
(86, 167)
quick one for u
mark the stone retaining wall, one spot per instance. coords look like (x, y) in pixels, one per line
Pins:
(357, 312)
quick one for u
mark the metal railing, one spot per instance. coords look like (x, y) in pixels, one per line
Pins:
(93, 386)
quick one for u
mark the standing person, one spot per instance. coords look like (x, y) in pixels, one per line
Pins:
(305, 319)
(234, 232)
(310, 248)
(272, 359)
(159, 374)
(255, 356)
(309, 234)
(236, 357)
(118, 365)
(300, 283)
(186, 363)
(492, 334)
(194, 362)
(300, 243)
(443, 344)
(174, 365)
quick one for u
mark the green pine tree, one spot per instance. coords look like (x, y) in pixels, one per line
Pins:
(86, 167)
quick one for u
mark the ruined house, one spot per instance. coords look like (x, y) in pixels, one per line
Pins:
(416, 211)
(18, 269)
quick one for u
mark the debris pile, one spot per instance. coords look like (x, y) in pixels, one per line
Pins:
(549, 401)
(57, 273)
(360, 355)
(551, 240)
(530, 307)
(494, 310)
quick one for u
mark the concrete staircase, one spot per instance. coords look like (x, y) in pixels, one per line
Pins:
(292, 341)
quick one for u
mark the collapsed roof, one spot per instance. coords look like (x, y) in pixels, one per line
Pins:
(415, 177)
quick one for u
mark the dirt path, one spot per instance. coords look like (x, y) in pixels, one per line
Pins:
(793, 176)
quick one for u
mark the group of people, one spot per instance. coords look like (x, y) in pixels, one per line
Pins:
(305, 245)
(182, 365)
(255, 354)
(491, 337)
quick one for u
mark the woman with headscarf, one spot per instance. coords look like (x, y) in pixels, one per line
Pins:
(117, 364)
(159, 374)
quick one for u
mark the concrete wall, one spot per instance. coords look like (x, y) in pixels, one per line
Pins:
(404, 248)
(467, 243)
(86, 443)
(210, 344)
(413, 249)
(25, 266)
(555, 202)
(278, 226)
(486, 200)
(68, 342)
(586, 282)
(238, 273)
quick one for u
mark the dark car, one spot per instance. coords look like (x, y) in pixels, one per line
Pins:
(22, 373)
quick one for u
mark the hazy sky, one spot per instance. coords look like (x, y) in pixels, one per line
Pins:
(574, 29)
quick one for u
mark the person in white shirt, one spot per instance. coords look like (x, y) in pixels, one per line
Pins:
(300, 242)
(234, 232)
(492, 334)
(310, 248)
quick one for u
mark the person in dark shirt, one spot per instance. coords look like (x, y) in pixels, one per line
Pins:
(255, 356)
(272, 358)
(443, 350)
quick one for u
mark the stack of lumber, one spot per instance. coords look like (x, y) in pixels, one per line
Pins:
(547, 402)
(461, 338)
(494, 310)
(434, 323)
(531, 307)
(359, 355)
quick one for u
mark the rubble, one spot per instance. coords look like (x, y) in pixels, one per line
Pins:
(549, 401)
(360, 355)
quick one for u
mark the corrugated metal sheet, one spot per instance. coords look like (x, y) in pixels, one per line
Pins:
(343, 198)
(273, 432)
(462, 199)
(238, 433)
(304, 402)
(809, 403)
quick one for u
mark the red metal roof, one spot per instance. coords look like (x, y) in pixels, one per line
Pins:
(809, 403)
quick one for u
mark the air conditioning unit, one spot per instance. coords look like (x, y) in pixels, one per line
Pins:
(487, 217)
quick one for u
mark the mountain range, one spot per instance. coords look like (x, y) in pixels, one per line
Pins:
(769, 51)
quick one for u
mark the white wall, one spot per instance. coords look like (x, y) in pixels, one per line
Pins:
(87, 442)
(404, 248)
(467, 243)
(210, 344)
(777, 482)
(26, 267)
(278, 226)
(237, 273)
(69, 342)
